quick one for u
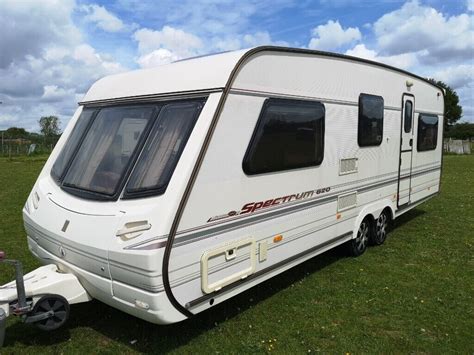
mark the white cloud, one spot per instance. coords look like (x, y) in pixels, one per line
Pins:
(417, 28)
(457, 77)
(248, 40)
(470, 5)
(257, 39)
(207, 18)
(45, 64)
(103, 18)
(86, 54)
(403, 61)
(332, 36)
(170, 44)
(164, 46)
(176, 40)
(53, 93)
(30, 26)
(228, 43)
(157, 57)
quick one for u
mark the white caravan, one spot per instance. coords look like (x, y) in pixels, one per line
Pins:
(175, 188)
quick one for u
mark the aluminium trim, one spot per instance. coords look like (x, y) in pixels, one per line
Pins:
(242, 220)
(268, 94)
(289, 210)
(170, 96)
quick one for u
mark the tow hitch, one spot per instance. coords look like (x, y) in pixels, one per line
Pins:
(42, 297)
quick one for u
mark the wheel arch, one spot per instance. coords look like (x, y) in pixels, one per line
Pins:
(373, 211)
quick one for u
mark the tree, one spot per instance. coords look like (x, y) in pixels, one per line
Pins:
(463, 130)
(49, 126)
(452, 109)
(15, 132)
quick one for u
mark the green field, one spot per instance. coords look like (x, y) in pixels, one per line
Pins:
(412, 295)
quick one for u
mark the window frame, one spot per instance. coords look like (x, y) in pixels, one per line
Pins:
(256, 134)
(121, 186)
(155, 191)
(361, 96)
(420, 115)
(94, 195)
(59, 180)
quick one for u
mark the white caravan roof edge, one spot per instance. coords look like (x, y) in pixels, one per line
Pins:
(199, 75)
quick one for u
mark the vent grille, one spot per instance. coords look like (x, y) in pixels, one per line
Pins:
(346, 202)
(347, 166)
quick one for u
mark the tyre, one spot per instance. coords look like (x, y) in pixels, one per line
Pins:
(381, 228)
(358, 245)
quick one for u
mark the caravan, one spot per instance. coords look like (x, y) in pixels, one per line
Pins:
(175, 188)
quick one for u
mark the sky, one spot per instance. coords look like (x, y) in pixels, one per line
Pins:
(51, 51)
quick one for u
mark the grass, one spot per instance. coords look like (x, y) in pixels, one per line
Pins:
(412, 295)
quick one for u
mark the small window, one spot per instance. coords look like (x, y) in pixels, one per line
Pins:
(289, 135)
(370, 131)
(427, 132)
(408, 116)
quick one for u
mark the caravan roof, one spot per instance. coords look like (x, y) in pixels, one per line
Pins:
(195, 74)
(198, 74)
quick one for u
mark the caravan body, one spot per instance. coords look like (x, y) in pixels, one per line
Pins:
(175, 188)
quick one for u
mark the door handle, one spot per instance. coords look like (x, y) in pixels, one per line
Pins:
(133, 229)
(411, 142)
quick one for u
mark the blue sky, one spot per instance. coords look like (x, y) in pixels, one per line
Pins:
(51, 51)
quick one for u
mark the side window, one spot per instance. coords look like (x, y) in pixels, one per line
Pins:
(289, 135)
(427, 132)
(370, 130)
(408, 116)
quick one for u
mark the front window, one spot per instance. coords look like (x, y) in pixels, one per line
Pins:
(64, 157)
(106, 143)
(163, 149)
(107, 149)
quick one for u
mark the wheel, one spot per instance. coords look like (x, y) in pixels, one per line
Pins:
(58, 304)
(358, 245)
(381, 228)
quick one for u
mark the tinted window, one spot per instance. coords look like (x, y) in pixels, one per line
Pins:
(63, 158)
(370, 130)
(163, 148)
(107, 149)
(408, 116)
(427, 132)
(289, 135)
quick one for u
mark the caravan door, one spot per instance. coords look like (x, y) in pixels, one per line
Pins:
(406, 150)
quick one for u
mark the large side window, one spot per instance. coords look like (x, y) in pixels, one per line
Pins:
(427, 132)
(370, 130)
(289, 135)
